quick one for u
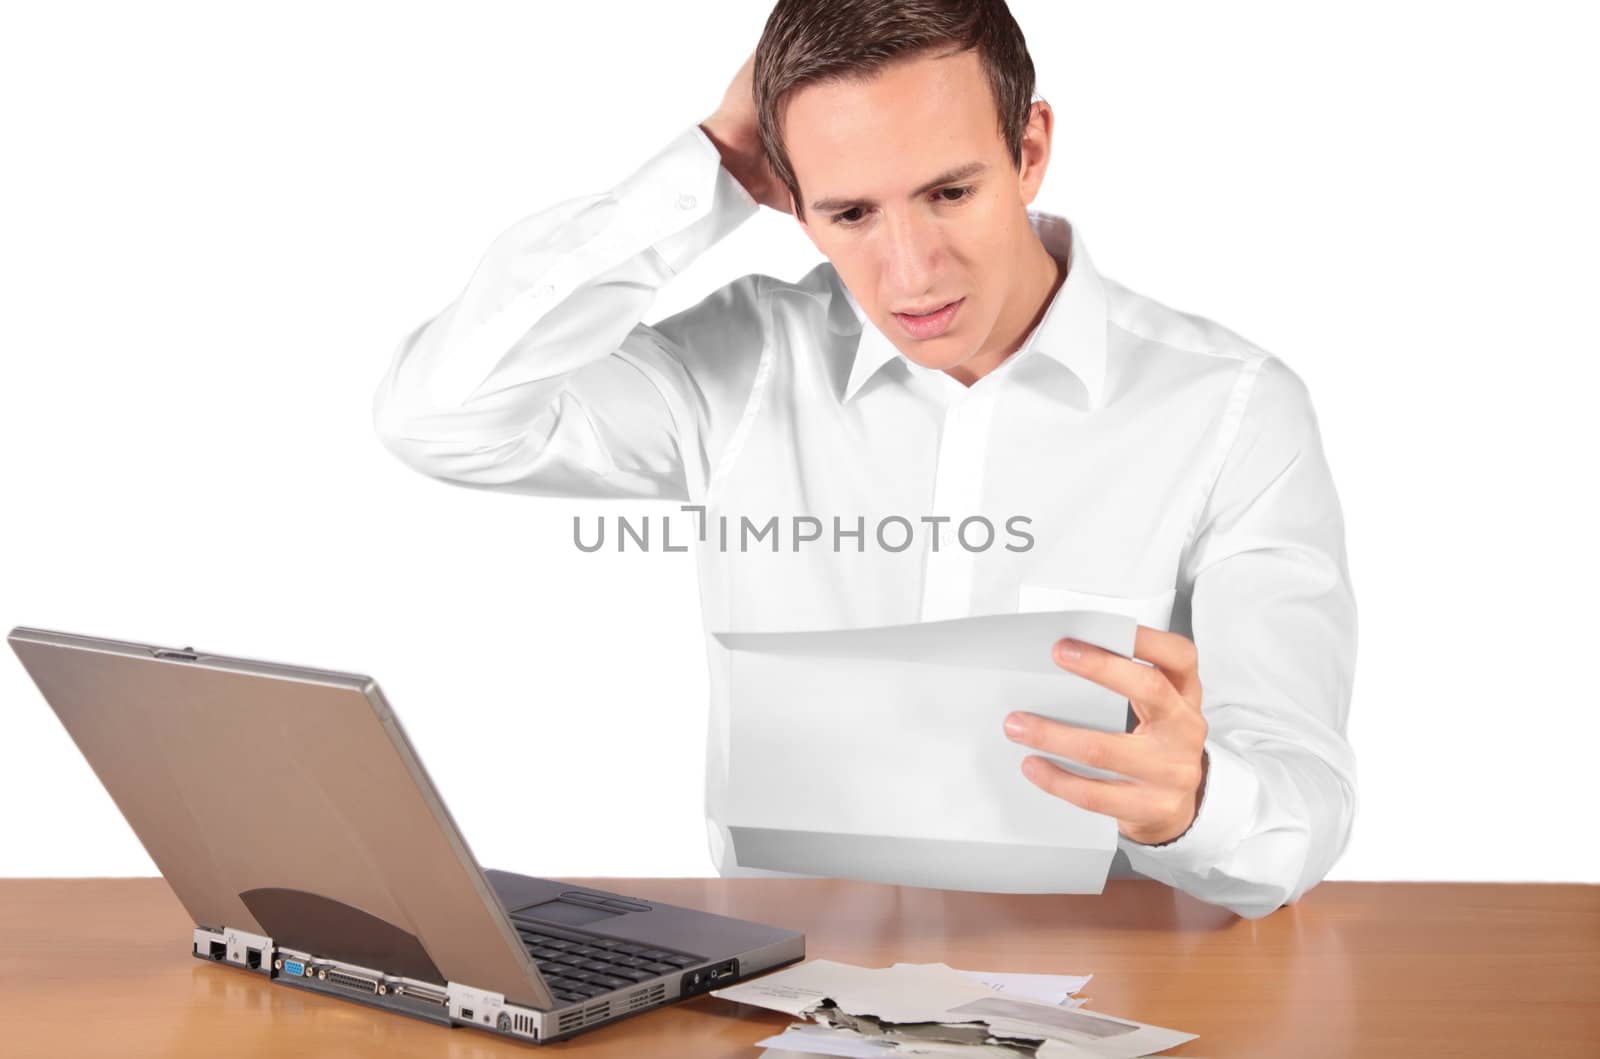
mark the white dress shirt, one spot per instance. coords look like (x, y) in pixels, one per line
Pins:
(1167, 468)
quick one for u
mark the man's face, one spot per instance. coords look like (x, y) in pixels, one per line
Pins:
(866, 157)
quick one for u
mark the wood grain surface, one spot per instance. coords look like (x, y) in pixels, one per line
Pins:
(101, 967)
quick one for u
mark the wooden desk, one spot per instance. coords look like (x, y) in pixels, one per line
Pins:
(94, 967)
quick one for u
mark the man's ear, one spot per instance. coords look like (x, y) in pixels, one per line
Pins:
(1035, 150)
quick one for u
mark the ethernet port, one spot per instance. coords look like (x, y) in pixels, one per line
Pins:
(252, 959)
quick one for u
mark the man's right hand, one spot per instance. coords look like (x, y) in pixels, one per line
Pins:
(733, 129)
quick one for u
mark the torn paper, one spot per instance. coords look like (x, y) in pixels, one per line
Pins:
(805, 1038)
(1044, 988)
(926, 1003)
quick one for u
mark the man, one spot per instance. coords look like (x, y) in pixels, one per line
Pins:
(956, 357)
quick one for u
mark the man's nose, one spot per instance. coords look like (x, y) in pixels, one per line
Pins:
(912, 249)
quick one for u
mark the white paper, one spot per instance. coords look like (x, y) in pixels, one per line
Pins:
(1044, 988)
(821, 1040)
(803, 1038)
(1020, 642)
(936, 993)
(1086, 1032)
(891, 994)
(880, 753)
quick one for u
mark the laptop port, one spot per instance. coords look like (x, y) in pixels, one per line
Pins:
(432, 996)
(219, 950)
(252, 959)
(706, 978)
(351, 981)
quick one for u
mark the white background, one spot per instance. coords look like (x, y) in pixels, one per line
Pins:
(219, 221)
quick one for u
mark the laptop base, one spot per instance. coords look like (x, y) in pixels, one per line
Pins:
(451, 1005)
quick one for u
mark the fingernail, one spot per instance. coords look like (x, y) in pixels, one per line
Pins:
(1069, 650)
(1014, 725)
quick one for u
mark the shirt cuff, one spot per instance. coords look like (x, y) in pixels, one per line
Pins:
(1223, 821)
(699, 201)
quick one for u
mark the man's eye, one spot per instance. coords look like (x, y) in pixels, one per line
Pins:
(845, 220)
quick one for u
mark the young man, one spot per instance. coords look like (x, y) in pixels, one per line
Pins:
(954, 363)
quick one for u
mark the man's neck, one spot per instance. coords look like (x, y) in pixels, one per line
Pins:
(1045, 276)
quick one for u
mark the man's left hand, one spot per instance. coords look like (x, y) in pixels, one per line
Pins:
(1163, 757)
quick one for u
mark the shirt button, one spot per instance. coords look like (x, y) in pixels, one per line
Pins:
(686, 202)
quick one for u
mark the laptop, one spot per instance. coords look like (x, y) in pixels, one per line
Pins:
(293, 819)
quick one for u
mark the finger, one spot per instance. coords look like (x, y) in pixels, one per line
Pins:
(1175, 655)
(1128, 802)
(1131, 756)
(1146, 687)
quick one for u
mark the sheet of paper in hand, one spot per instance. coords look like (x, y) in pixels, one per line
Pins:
(879, 753)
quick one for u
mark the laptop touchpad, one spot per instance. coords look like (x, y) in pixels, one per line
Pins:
(570, 913)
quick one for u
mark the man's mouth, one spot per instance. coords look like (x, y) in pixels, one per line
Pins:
(931, 324)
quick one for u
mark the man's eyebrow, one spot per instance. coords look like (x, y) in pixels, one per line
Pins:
(959, 173)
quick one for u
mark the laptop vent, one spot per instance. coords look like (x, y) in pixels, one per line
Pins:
(639, 998)
(593, 1013)
(524, 1024)
(645, 997)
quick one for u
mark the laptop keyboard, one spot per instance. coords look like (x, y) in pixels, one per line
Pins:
(577, 968)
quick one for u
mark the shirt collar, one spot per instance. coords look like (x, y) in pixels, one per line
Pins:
(1072, 331)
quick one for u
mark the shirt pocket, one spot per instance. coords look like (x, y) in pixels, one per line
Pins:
(1154, 611)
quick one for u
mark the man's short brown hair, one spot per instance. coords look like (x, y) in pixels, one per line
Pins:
(810, 41)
